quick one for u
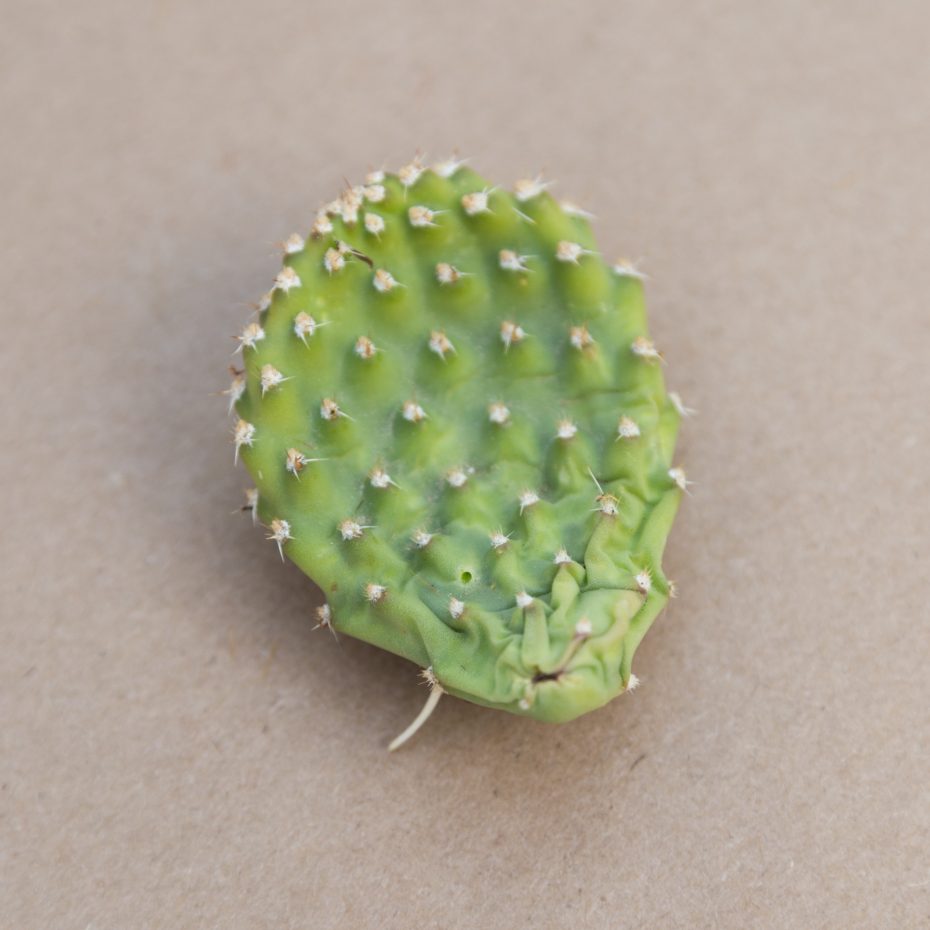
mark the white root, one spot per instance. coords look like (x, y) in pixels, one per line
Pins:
(436, 692)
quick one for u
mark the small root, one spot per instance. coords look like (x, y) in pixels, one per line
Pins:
(436, 692)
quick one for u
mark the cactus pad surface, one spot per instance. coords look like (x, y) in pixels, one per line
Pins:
(457, 426)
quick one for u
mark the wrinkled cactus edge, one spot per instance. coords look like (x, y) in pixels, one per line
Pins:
(457, 426)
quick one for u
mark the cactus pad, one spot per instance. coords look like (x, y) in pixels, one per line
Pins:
(458, 428)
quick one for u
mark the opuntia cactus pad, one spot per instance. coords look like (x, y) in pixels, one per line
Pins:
(457, 426)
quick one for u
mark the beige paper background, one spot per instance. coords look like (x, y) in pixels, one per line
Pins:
(180, 750)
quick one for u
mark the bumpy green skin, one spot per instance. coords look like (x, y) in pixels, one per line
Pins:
(495, 653)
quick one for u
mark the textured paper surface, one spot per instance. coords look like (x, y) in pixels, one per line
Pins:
(179, 749)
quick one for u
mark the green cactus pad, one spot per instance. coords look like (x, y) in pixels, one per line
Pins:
(458, 428)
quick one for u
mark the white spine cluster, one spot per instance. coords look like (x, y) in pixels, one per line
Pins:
(384, 281)
(580, 338)
(570, 252)
(374, 592)
(421, 216)
(499, 414)
(271, 378)
(511, 333)
(413, 412)
(565, 429)
(627, 429)
(527, 188)
(334, 260)
(365, 348)
(379, 478)
(448, 167)
(305, 326)
(280, 534)
(352, 529)
(410, 174)
(644, 348)
(476, 202)
(447, 274)
(243, 435)
(252, 334)
(457, 477)
(499, 540)
(421, 539)
(294, 243)
(286, 279)
(374, 223)
(511, 261)
(440, 343)
(528, 499)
